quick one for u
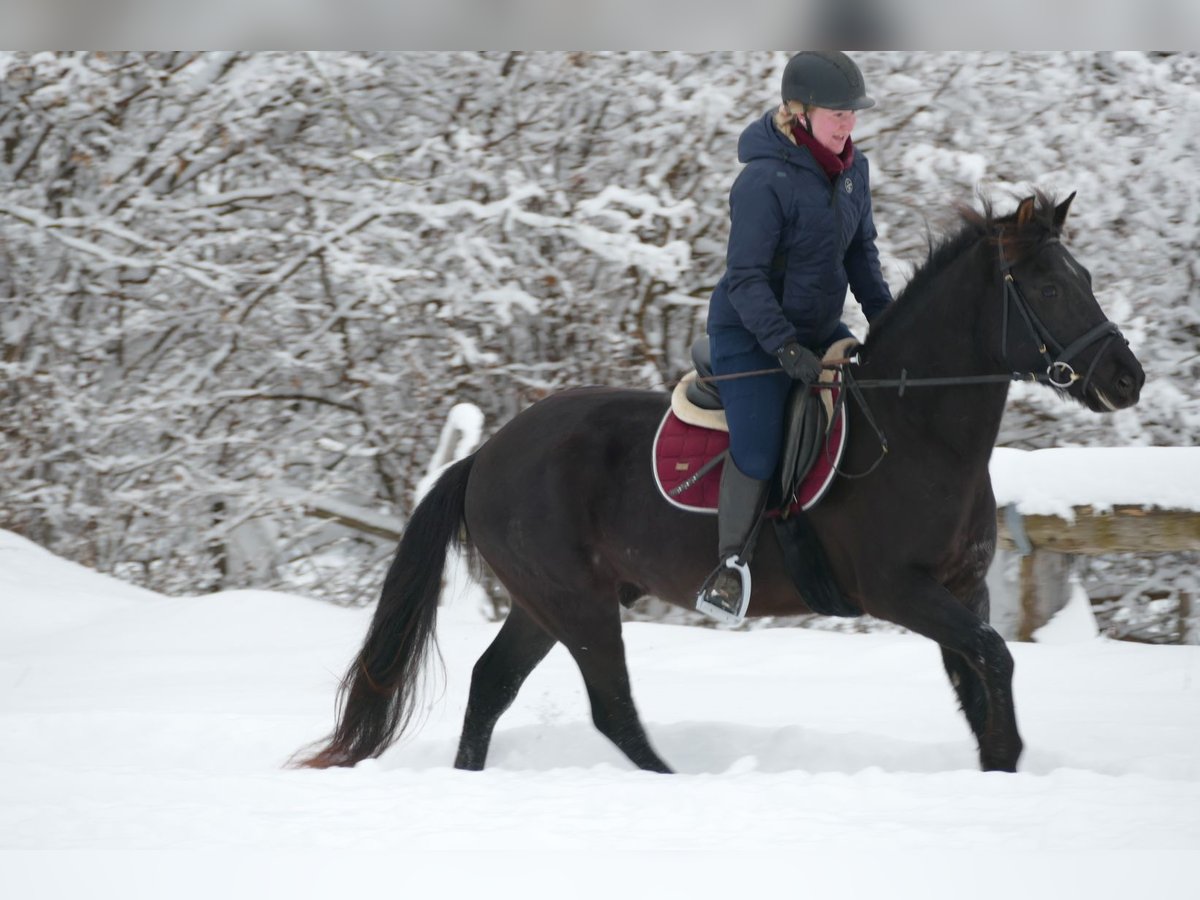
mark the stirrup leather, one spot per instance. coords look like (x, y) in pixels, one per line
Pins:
(718, 612)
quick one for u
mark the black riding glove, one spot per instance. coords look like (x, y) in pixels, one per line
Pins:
(799, 362)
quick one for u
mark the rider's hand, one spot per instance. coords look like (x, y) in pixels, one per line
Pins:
(799, 362)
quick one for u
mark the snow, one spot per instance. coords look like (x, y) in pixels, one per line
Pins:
(1073, 623)
(1052, 481)
(462, 433)
(832, 764)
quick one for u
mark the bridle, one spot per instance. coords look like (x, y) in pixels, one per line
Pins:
(1059, 372)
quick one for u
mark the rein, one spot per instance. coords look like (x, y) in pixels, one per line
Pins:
(1059, 373)
(903, 382)
(856, 386)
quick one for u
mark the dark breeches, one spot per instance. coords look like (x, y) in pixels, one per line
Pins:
(754, 407)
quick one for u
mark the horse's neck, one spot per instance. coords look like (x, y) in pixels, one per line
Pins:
(942, 335)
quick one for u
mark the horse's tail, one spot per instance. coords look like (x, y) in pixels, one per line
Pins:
(377, 697)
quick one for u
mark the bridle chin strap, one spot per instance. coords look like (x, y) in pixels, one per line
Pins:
(1059, 372)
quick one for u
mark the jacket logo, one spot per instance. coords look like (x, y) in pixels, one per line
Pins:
(849, 185)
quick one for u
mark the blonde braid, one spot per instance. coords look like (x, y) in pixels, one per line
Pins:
(783, 121)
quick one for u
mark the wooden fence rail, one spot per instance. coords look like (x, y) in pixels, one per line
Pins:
(1047, 543)
(1061, 503)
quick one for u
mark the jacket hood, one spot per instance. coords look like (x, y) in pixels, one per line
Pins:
(762, 140)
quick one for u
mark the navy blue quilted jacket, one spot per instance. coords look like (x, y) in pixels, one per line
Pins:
(795, 242)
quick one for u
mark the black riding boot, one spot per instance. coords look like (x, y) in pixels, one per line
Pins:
(726, 592)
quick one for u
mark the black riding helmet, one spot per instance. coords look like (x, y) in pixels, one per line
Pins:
(827, 78)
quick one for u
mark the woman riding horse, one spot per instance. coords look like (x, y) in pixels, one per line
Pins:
(800, 228)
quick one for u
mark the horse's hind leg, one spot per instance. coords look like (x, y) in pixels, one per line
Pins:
(590, 628)
(516, 650)
(594, 640)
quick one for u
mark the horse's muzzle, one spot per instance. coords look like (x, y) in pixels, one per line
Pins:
(1116, 383)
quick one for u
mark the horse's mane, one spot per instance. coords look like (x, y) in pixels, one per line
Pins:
(1017, 241)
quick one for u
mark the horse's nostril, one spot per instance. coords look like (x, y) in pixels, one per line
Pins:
(1126, 385)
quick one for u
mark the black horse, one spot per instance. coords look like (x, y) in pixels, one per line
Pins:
(561, 505)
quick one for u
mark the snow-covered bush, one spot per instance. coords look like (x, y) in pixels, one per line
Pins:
(228, 276)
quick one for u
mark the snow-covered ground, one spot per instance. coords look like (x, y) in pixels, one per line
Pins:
(142, 743)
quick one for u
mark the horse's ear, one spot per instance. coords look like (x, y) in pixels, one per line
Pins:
(1060, 212)
(1025, 211)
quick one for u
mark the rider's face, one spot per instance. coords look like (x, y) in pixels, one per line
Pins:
(831, 127)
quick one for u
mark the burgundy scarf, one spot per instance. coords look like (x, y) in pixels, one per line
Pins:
(834, 164)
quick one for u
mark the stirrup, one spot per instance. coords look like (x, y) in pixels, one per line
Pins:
(720, 613)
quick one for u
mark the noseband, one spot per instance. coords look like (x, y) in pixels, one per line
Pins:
(1059, 372)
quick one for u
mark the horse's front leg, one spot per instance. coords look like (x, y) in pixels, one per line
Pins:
(968, 686)
(976, 658)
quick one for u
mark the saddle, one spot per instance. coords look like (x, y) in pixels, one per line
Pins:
(808, 428)
(692, 445)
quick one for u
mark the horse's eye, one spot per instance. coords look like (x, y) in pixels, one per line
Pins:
(1049, 291)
